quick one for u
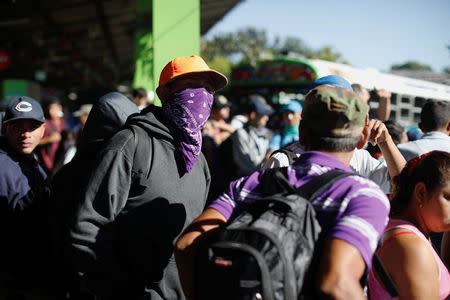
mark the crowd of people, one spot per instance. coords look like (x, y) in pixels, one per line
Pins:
(117, 208)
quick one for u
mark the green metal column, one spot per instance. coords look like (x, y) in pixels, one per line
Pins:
(166, 29)
(143, 47)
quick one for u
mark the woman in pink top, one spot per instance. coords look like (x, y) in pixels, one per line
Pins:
(420, 204)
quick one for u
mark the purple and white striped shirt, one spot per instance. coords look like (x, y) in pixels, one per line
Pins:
(353, 209)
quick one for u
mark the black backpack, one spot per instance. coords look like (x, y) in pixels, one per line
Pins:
(264, 252)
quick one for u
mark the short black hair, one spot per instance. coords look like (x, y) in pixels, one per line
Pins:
(335, 144)
(434, 115)
(329, 143)
(139, 92)
(49, 100)
(395, 130)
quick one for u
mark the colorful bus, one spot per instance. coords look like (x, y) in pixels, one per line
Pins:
(282, 79)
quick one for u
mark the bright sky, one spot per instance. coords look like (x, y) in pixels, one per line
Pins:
(368, 33)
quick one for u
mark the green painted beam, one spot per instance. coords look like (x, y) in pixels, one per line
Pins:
(166, 29)
(143, 47)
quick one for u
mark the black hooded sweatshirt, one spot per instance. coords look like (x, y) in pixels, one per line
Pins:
(107, 117)
(123, 236)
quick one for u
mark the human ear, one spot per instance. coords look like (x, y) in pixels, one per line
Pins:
(362, 140)
(163, 93)
(42, 128)
(420, 191)
(365, 134)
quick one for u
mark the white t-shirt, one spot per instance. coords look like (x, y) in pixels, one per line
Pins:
(362, 163)
(238, 121)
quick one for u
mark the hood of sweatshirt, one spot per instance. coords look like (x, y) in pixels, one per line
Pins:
(153, 120)
(107, 116)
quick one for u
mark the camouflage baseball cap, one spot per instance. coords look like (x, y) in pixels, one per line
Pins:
(332, 111)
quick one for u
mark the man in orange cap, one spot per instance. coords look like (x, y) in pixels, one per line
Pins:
(124, 230)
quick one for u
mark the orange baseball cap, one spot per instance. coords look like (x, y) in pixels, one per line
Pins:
(194, 64)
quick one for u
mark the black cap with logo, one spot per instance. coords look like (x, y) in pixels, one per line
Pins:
(24, 107)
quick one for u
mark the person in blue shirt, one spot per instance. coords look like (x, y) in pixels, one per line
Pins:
(292, 114)
(24, 193)
(435, 124)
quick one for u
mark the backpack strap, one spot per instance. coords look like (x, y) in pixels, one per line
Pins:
(275, 181)
(291, 155)
(318, 184)
(143, 156)
(384, 276)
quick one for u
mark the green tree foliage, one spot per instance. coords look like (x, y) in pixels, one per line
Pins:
(327, 53)
(247, 45)
(219, 45)
(291, 45)
(221, 64)
(411, 65)
(251, 42)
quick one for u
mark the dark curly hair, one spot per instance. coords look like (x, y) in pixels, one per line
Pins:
(433, 169)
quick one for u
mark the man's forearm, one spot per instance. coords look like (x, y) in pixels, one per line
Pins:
(186, 247)
(384, 110)
(394, 159)
(342, 290)
(340, 268)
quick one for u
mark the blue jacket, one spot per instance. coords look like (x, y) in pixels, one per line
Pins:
(22, 181)
(24, 194)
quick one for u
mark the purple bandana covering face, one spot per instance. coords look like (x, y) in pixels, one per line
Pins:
(189, 110)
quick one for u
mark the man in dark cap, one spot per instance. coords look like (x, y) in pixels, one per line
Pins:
(251, 143)
(125, 229)
(24, 194)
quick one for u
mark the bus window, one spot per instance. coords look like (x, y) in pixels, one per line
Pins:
(419, 102)
(394, 99)
(393, 115)
(404, 113)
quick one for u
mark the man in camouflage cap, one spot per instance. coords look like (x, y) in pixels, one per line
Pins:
(332, 113)
(375, 132)
(352, 212)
